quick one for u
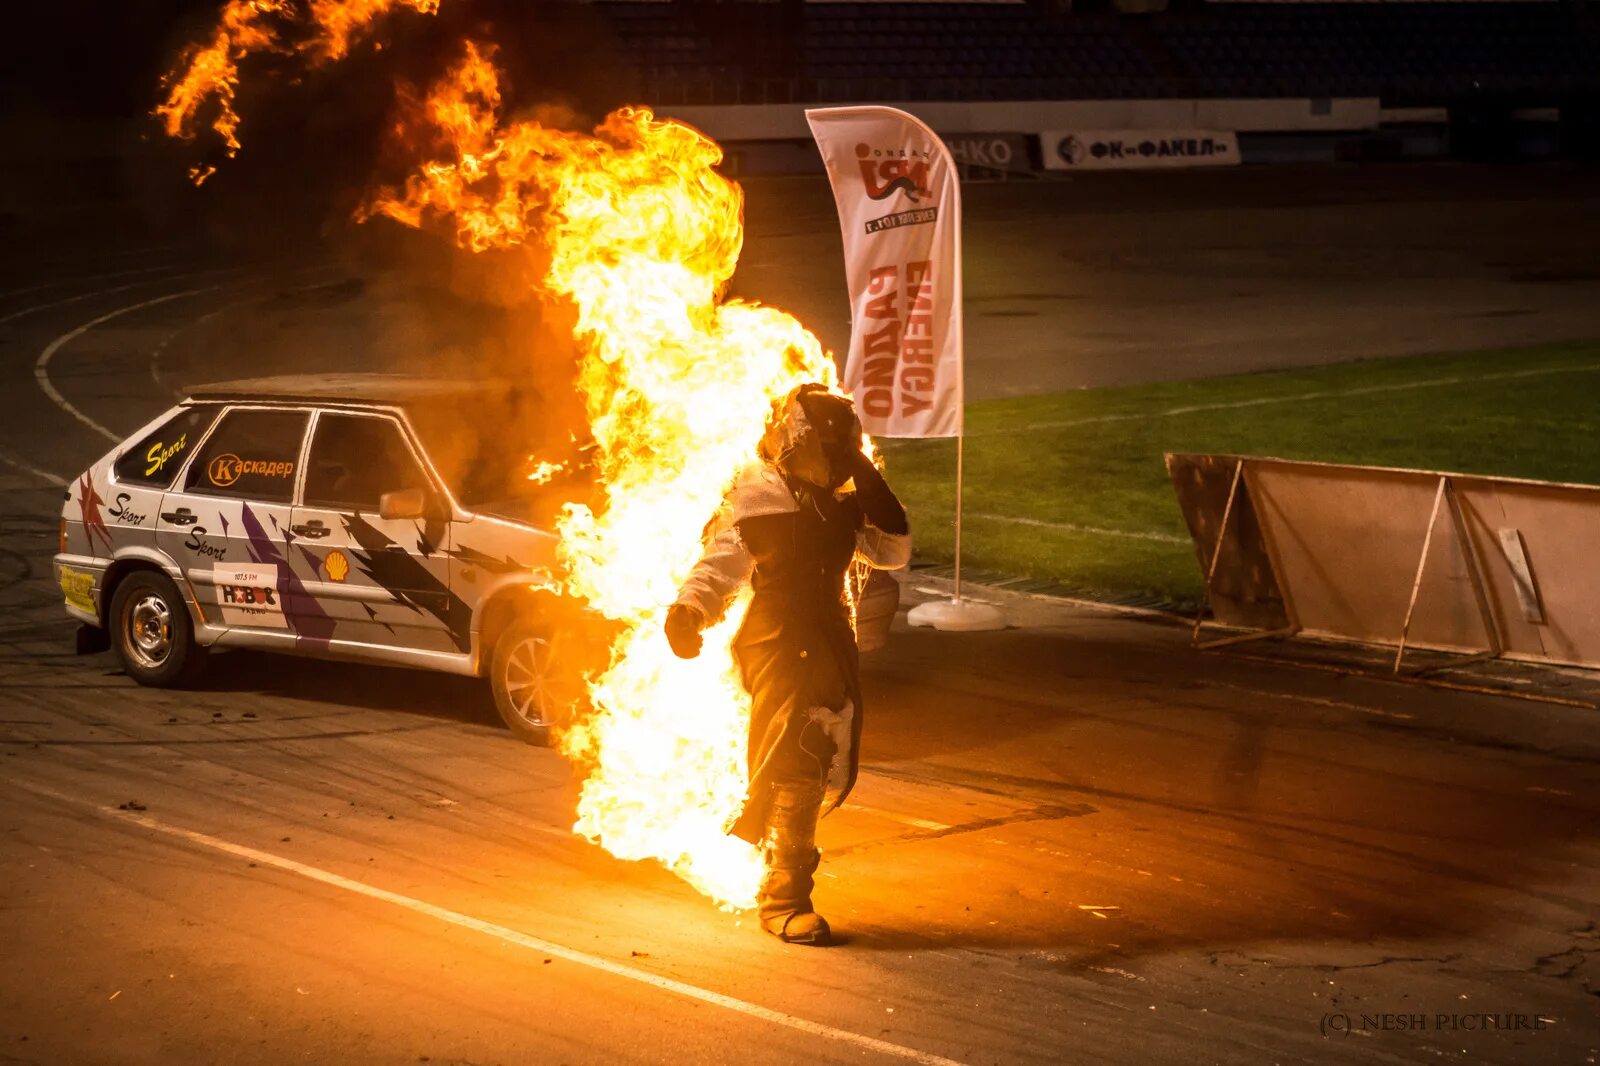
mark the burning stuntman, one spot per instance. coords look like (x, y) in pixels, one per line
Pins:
(790, 529)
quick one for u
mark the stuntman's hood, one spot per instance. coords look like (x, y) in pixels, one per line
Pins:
(810, 433)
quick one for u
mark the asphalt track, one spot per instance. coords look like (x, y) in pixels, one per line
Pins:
(1073, 841)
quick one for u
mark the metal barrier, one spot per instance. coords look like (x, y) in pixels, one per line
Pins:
(1482, 566)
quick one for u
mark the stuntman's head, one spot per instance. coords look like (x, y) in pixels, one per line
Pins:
(812, 435)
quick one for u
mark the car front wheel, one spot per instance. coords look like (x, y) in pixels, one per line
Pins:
(152, 632)
(535, 682)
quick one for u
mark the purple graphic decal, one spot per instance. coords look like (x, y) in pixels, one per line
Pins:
(310, 622)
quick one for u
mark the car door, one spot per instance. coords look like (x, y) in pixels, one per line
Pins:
(226, 522)
(384, 580)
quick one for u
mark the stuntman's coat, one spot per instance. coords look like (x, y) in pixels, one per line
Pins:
(793, 543)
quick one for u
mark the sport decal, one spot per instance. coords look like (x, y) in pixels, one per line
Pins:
(159, 453)
(198, 544)
(94, 523)
(249, 595)
(122, 513)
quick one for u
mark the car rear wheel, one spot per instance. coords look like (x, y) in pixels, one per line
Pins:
(535, 681)
(152, 632)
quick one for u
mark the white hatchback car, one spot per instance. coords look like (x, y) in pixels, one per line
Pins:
(373, 517)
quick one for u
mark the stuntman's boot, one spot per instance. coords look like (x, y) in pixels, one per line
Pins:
(791, 854)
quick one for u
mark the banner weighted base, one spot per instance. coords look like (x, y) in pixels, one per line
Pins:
(957, 616)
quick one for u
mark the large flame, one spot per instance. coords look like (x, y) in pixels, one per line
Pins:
(210, 71)
(641, 235)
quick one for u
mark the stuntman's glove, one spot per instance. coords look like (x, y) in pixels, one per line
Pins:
(877, 500)
(683, 630)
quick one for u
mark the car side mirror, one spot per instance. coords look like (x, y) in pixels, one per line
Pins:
(406, 503)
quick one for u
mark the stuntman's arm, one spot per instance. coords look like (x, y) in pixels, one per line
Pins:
(885, 540)
(722, 571)
(878, 501)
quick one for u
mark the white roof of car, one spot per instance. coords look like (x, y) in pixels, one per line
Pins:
(388, 389)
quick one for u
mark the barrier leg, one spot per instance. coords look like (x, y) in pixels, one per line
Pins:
(1422, 564)
(1245, 638)
(1216, 552)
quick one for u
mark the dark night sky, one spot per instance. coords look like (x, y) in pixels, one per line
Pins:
(104, 58)
(79, 78)
(92, 58)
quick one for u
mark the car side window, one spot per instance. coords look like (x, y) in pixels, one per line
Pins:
(355, 459)
(156, 457)
(252, 454)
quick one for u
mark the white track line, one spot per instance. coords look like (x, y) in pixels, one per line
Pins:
(79, 297)
(1324, 394)
(17, 463)
(895, 816)
(1054, 600)
(500, 932)
(83, 278)
(41, 368)
(1316, 701)
(161, 348)
(14, 461)
(1067, 527)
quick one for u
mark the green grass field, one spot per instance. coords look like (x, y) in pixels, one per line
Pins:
(1039, 466)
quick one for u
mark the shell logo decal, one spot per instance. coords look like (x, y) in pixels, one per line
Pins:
(336, 565)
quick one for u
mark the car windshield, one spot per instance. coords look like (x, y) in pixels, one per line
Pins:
(503, 446)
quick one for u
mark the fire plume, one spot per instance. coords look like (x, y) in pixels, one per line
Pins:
(642, 236)
(210, 71)
(631, 226)
(340, 23)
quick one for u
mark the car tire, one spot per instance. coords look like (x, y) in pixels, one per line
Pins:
(152, 633)
(535, 680)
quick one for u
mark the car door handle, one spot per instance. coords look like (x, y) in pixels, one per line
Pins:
(181, 517)
(312, 529)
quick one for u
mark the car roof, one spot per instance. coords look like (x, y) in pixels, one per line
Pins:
(388, 389)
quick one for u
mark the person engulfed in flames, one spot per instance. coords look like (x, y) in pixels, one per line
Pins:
(789, 527)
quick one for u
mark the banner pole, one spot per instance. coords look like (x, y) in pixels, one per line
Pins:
(961, 441)
(872, 154)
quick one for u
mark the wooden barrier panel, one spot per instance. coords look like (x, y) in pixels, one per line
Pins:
(1408, 558)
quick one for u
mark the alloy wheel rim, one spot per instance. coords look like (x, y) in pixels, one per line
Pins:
(530, 681)
(149, 630)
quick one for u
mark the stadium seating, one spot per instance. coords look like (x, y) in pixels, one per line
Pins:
(1408, 54)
